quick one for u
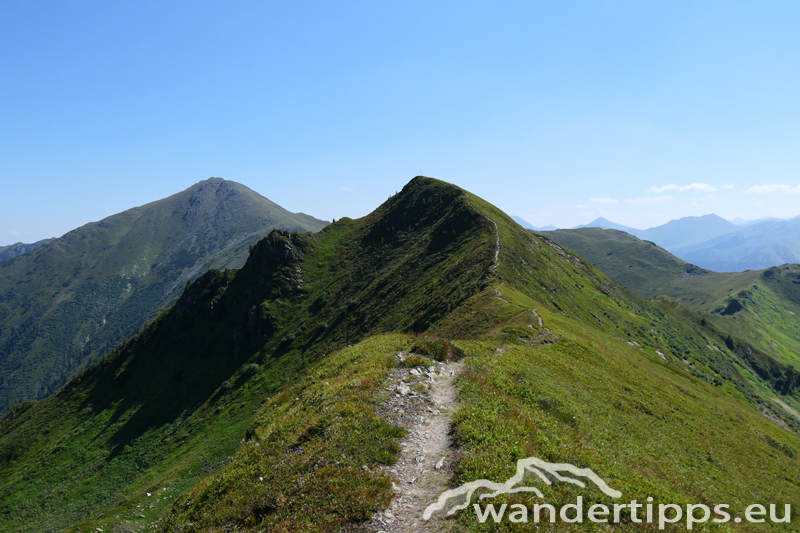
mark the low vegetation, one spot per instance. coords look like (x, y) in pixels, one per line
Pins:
(251, 405)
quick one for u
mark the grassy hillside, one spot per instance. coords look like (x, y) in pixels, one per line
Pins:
(565, 392)
(144, 415)
(761, 307)
(242, 407)
(638, 265)
(648, 428)
(69, 302)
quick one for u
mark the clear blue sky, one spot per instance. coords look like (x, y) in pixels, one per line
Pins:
(556, 111)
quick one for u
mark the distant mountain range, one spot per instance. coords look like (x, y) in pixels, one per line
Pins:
(754, 247)
(73, 299)
(13, 250)
(525, 224)
(716, 244)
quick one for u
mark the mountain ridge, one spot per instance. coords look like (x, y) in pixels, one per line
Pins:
(254, 403)
(13, 250)
(90, 289)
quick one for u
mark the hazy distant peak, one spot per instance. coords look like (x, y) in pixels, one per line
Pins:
(604, 223)
(527, 225)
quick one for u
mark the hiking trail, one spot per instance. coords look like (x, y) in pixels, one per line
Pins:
(422, 400)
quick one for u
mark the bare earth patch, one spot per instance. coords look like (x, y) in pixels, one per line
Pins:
(422, 401)
(787, 408)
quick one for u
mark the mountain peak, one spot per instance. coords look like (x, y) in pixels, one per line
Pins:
(124, 270)
(604, 223)
(680, 233)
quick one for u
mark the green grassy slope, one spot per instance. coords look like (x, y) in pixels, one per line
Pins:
(760, 307)
(241, 408)
(581, 389)
(648, 428)
(173, 401)
(65, 304)
(641, 266)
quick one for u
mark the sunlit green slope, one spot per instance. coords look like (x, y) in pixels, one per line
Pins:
(760, 307)
(587, 387)
(242, 408)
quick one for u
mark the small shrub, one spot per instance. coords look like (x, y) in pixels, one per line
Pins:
(250, 369)
(321, 301)
(416, 360)
(322, 326)
(729, 343)
(439, 349)
(367, 384)
(226, 385)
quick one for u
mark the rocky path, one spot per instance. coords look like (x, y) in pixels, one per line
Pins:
(422, 401)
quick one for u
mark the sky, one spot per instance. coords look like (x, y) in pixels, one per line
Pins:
(559, 112)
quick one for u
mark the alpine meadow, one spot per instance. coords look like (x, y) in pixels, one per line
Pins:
(285, 392)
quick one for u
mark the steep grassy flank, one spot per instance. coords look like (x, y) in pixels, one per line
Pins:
(69, 302)
(762, 306)
(648, 428)
(562, 391)
(309, 461)
(574, 288)
(637, 265)
(759, 308)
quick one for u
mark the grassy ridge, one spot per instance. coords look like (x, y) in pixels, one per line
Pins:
(242, 354)
(73, 300)
(309, 461)
(144, 415)
(578, 389)
(640, 266)
(648, 428)
(770, 307)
